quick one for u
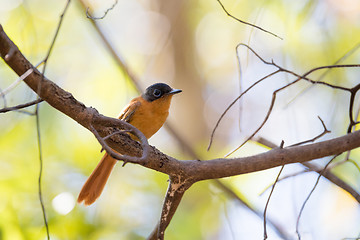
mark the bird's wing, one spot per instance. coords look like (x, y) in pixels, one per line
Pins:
(127, 113)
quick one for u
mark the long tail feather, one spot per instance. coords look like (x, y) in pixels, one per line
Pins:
(97, 180)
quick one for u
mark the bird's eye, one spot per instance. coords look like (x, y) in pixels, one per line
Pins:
(157, 93)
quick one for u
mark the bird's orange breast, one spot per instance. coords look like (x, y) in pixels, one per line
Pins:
(150, 116)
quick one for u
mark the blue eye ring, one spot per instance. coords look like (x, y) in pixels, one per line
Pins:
(157, 93)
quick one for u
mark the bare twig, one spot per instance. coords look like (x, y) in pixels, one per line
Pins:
(38, 118)
(232, 195)
(244, 92)
(277, 178)
(284, 178)
(232, 104)
(11, 87)
(327, 174)
(268, 200)
(55, 36)
(20, 106)
(325, 131)
(16, 82)
(105, 13)
(40, 175)
(299, 77)
(341, 59)
(265, 119)
(353, 92)
(247, 23)
(308, 197)
(117, 57)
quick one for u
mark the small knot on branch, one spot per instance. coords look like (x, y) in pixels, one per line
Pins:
(10, 54)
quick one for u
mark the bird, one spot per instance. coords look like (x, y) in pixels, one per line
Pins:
(147, 113)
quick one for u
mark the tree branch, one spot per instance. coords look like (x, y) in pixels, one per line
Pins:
(327, 174)
(117, 57)
(20, 106)
(247, 23)
(299, 77)
(174, 194)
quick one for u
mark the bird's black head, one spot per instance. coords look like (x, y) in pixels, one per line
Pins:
(157, 91)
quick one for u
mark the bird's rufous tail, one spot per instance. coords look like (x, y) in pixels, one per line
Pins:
(96, 182)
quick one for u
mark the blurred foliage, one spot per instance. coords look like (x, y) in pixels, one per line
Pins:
(190, 45)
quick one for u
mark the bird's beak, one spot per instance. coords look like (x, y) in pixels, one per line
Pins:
(175, 91)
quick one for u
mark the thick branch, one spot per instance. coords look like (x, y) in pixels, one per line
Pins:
(219, 168)
(47, 90)
(172, 200)
(327, 174)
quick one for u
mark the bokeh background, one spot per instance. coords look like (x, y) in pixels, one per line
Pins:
(191, 45)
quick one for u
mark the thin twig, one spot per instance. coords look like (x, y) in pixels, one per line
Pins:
(247, 23)
(40, 176)
(341, 59)
(298, 78)
(15, 83)
(228, 221)
(105, 13)
(56, 35)
(232, 104)
(38, 121)
(325, 131)
(266, 117)
(241, 103)
(232, 195)
(40, 173)
(20, 106)
(353, 92)
(268, 200)
(346, 159)
(327, 174)
(284, 178)
(242, 93)
(308, 197)
(117, 57)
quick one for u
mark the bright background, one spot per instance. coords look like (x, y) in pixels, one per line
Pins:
(189, 45)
